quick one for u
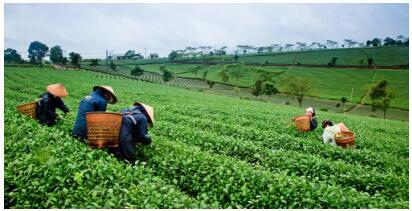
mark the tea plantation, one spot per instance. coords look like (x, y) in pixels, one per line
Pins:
(208, 151)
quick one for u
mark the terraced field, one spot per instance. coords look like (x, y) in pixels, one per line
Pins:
(382, 56)
(209, 152)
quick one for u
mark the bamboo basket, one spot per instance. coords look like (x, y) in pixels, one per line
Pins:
(103, 129)
(345, 139)
(28, 109)
(302, 123)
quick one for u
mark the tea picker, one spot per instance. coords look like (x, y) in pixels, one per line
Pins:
(337, 134)
(96, 101)
(48, 102)
(134, 130)
(308, 122)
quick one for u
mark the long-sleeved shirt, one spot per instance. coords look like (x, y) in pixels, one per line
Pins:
(329, 134)
(133, 130)
(46, 108)
(93, 102)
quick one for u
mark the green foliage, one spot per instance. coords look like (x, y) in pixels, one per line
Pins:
(298, 87)
(269, 89)
(332, 62)
(37, 51)
(112, 66)
(236, 90)
(75, 59)
(137, 71)
(381, 97)
(224, 75)
(210, 83)
(204, 75)
(56, 54)
(11, 55)
(208, 151)
(166, 74)
(94, 62)
(173, 56)
(258, 89)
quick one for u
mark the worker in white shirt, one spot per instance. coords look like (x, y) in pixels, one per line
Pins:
(330, 130)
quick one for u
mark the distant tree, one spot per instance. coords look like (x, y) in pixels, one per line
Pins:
(224, 75)
(195, 70)
(166, 74)
(343, 100)
(75, 59)
(204, 75)
(257, 89)
(236, 57)
(331, 43)
(64, 60)
(37, 51)
(137, 71)
(210, 83)
(11, 55)
(130, 54)
(288, 46)
(56, 54)
(332, 62)
(112, 66)
(381, 97)
(153, 56)
(369, 43)
(269, 89)
(236, 90)
(376, 42)
(173, 56)
(389, 41)
(298, 87)
(301, 45)
(370, 61)
(94, 62)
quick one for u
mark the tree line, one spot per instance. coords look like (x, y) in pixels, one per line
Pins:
(38, 50)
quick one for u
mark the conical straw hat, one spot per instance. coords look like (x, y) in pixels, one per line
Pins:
(149, 111)
(57, 90)
(110, 90)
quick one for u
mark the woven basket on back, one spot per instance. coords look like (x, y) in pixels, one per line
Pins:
(345, 139)
(103, 129)
(302, 123)
(28, 109)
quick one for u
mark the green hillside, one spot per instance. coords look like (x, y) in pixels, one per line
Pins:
(328, 83)
(383, 56)
(208, 151)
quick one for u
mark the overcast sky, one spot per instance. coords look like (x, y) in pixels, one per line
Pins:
(93, 28)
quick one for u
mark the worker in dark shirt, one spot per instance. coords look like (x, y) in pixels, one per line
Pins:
(96, 101)
(48, 102)
(134, 130)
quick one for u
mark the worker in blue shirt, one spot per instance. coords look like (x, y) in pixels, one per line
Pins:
(96, 101)
(134, 130)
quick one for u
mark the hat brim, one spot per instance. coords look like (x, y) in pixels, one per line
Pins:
(57, 91)
(150, 117)
(110, 92)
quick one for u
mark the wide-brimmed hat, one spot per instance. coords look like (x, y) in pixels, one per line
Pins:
(108, 89)
(57, 90)
(148, 110)
(310, 109)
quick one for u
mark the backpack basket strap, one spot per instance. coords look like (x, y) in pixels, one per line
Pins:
(130, 115)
